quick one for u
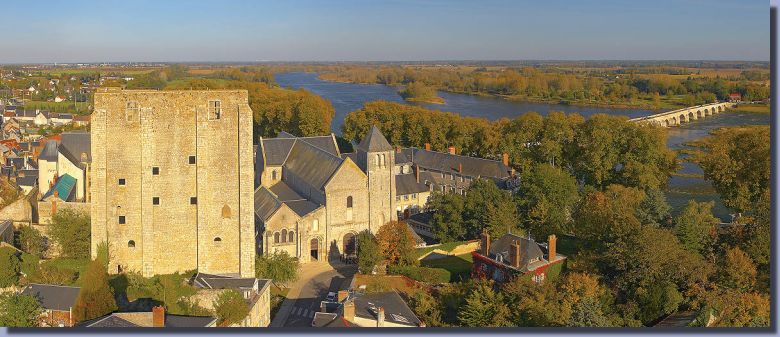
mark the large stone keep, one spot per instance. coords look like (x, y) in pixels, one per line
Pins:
(172, 181)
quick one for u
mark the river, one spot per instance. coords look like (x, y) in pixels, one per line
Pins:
(347, 97)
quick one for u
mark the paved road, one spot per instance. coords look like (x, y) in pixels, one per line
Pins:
(314, 283)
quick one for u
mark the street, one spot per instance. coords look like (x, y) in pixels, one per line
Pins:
(314, 283)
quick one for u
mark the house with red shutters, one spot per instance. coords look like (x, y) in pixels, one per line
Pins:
(514, 256)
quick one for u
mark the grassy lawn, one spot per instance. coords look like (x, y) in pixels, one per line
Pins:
(459, 266)
(420, 252)
(752, 108)
(379, 283)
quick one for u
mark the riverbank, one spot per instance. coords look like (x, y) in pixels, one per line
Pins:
(665, 105)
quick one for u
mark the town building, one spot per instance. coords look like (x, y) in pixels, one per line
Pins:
(311, 200)
(157, 318)
(514, 256)
(256, 293)
(171, 181)
(366, 310)
(57, 302)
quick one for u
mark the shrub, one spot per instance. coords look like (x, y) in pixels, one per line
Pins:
(31, 241)
(70, 229)
(52, 275)
(9, 267)
(230, 307)
(422, 274)
(95, 297)
(29, 265)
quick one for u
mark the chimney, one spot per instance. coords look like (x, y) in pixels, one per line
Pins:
(323, 307)
(451, 149)
(551, 253)
(514, 254)
(505, 158)
(342, 295)
(380, 318)
(158, 316)
(397, 149)
(427, 146)
(349, 311)
(460, 168)
(417, 172)
(485, 244)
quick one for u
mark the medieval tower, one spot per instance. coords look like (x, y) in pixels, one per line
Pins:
(172, 181)
(377, 158)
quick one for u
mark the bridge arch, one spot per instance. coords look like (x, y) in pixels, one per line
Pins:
(682, 119)
(674, 121)
(667, 123)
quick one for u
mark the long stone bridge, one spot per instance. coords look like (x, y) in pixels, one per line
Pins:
(685, 115)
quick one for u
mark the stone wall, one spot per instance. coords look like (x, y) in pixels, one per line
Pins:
(146, 138)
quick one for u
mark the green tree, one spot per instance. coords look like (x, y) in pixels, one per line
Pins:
(427, 308)
(488, 208)
(9, 267)
(655, 209)
(546, 200)
(588, 313)
(70, 230)
(368, 254)
(447, 217)
(95, 297)
(484, 308)
(31, 240)
(697, 227)
(279, 267)
(17, 310)
(736, 161)
(396, 243)
(661, 298)
(230, 308)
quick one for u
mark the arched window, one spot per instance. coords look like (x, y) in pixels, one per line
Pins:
(384, 161)
(273, 175)
(291, 236)
(226, 212)
(217, 240)
(276, 237)
(349, 201)
(284, 235)
(315, 225)
(377, 160)
(131, 244)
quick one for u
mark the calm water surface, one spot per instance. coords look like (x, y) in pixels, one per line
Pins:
(347, 97)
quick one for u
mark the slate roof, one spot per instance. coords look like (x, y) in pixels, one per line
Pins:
(445, 162)
(401, 158)
(284, 192)
(145, 320)
(277, 149)
(374, 141)
(53, 297)
(266, 203)
(407, 184)
(209, 281)
(529, 248)
(396, 309)
(329, 320)
(73, 144)
(49, 152)
(311, 164)
(26, 181)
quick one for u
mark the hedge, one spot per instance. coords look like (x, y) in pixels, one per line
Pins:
(422, 274)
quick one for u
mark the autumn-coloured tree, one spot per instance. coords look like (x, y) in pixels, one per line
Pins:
(737, 271)
(95, 298)
(697, 227)
(396, 243)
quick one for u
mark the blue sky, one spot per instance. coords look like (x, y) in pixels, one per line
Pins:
(330, 30)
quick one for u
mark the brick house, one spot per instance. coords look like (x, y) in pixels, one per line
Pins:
(514, 256)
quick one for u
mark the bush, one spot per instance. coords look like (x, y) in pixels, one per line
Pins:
(230, 307)
(31, 241)
(47, 274)
(422, 274)
(9, 267)
(279, 267)
(95, 297)
(70, 229)
(29, 266)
